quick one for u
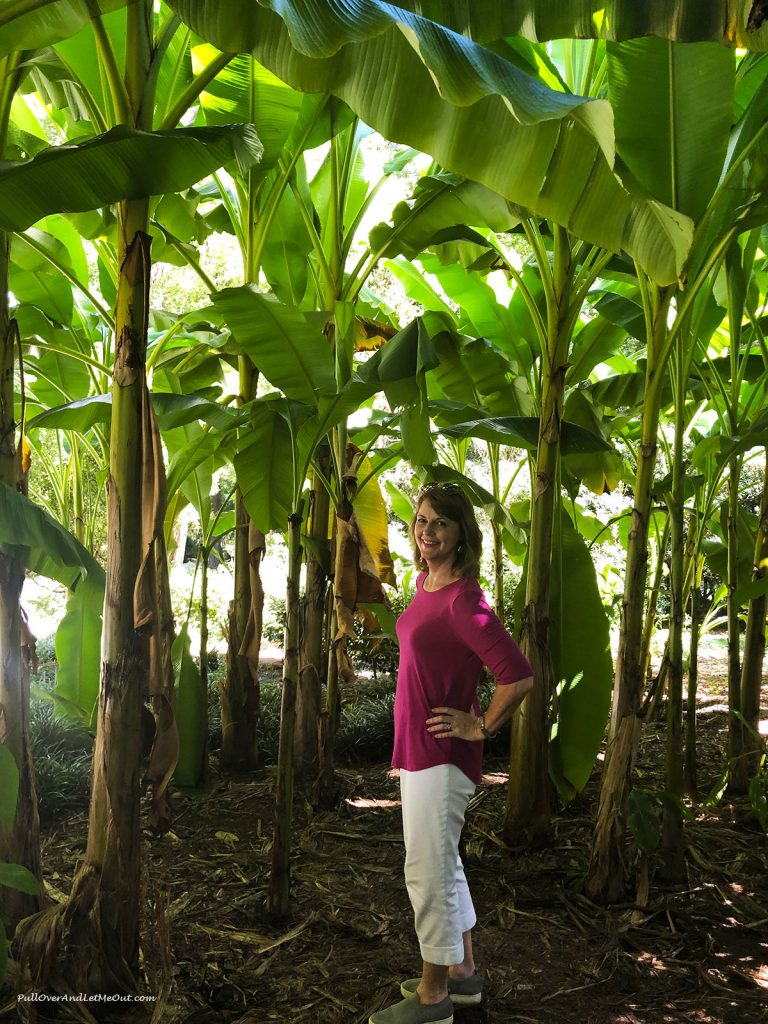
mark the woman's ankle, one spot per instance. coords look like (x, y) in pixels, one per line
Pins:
(432, 996)
(461, 971)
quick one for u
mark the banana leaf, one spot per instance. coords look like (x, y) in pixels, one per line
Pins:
(457, 101)
(123, 163)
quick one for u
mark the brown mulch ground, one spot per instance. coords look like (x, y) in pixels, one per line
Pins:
(696, 953)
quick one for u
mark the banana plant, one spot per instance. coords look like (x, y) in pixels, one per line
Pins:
(475, 95)
(699, 166)
(734, 23)
(14, 878)
(263, 213)
(290, 429)
(36, 542)
(124, 163)
(736, 383)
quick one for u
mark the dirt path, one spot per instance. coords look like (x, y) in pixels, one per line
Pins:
(697, 953)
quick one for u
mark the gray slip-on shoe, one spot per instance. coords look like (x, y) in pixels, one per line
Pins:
(413, 1011)
(463, 991)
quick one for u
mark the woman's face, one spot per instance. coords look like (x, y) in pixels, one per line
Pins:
(437, 536)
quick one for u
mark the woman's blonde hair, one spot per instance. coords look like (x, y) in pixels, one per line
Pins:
(449, 500)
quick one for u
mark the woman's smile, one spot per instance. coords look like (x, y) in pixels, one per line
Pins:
(436, 535)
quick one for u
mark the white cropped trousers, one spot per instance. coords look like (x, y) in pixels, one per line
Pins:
(434, 802)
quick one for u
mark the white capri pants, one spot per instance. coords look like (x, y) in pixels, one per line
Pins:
(434, 802)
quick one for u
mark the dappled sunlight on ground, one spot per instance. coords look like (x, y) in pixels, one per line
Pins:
(371, 804)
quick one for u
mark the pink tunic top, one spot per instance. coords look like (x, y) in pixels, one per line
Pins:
(446, 636)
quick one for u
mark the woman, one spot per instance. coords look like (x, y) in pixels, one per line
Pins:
(446, 634)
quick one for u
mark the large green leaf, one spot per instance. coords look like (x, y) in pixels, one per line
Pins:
(123, 163)
(719, 21)
(477, 114)
(172, 410)
(440, 202)
(476, 373)
(28, 26)
(291, 353)
(581, 655)
(80, 62)
(9, 787)
(286, 253)
(246, 91)
(78, 653)
(191, 713)
(481, 313)
(600, 471)
(716, 551)
(176, 410)
(622, 308)
(400, 369)
(397, 368)
(673, 107)
(264, 468)
(597, 340)
(42, 544)
(745, 181)
(195, 455)
(523, 432)
(80, 415)
(33, 280)
(15, 876)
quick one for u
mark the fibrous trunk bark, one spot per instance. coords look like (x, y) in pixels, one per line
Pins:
(93, 939)
(754, 655)
(527, 819)
(280, 878)
(691, 783)
(735, 729)
(325, 789)
(606, 877)
(239, 689)
(311, 617)
(672, 818)
(19, 844)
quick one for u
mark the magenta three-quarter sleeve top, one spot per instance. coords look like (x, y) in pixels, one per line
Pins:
(446, 636)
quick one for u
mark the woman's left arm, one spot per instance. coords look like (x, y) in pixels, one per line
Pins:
(450, 723)
(479, 628)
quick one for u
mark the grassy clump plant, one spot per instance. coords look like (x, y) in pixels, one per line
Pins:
(62, 748)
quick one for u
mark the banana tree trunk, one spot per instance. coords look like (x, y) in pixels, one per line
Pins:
(735, 730)
(325, 790)
(97, 931)
(280, 878)
(498, 571)
(527, 816)
(655, 695)
(691, 783)
(311, 615)
(607, 870)
(494, 453)
(19, 844)
(110, 878)
(672, 819)
(754, 654)
(239, 688)
(649, 627)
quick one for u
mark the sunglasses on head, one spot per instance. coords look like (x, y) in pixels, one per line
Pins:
(442, 488)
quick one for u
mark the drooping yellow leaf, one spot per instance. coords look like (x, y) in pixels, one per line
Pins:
(371, 517)
(371, 334)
